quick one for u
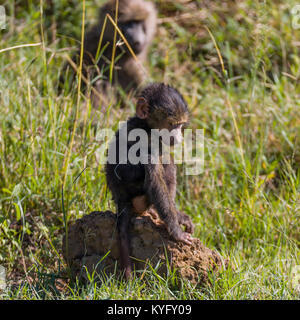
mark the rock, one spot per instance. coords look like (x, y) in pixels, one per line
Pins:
(92, 243)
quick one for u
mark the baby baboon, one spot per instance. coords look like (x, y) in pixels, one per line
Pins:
(149, 183)
(137, 21)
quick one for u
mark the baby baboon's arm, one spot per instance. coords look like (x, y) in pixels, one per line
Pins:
(158, 195)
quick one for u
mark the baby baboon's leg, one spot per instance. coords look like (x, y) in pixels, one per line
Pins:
(123, 219)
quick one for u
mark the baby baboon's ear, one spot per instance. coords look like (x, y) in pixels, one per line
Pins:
(142, 108)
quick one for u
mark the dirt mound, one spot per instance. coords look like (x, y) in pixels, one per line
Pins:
(92, 243)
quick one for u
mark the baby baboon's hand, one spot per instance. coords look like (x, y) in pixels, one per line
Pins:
(186, 221)
(182, 236)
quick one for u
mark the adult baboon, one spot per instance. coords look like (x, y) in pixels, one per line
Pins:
(137, 21)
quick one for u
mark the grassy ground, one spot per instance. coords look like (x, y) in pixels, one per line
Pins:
(246, 204)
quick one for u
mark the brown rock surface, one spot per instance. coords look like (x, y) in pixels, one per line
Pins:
(92, 242)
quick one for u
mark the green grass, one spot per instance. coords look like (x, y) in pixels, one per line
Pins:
(246, 204)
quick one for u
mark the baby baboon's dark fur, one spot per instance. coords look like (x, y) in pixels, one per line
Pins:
(136, 186)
